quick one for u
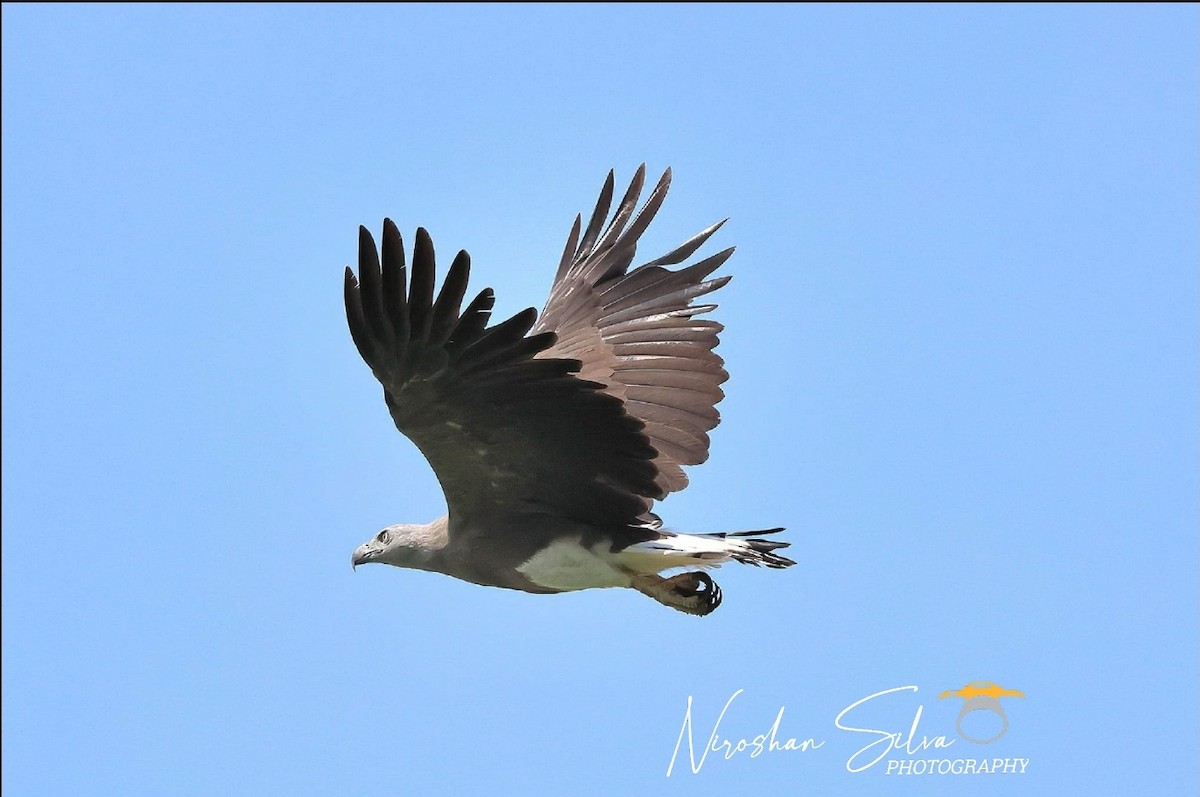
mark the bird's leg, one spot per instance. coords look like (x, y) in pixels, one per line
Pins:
(691, 593)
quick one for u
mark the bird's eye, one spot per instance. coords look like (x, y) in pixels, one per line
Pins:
(384, 537)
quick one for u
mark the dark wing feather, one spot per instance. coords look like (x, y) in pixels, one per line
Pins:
(507, 430)
(637, 331)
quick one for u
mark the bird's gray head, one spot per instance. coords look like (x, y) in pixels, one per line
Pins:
(403, 545)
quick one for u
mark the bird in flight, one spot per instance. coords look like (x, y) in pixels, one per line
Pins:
(552, 435)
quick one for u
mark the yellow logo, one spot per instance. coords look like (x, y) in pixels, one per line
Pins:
(982, 696)
(982, 689)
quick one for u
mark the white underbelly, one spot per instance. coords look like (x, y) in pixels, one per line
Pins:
(567, 565)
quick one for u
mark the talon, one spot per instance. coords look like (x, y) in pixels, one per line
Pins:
(692, 593)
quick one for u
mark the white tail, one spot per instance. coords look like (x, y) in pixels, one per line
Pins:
(703, 550)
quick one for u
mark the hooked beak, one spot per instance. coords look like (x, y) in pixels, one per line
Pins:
(362, 554)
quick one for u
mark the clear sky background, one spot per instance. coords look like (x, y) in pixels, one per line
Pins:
(961, 333)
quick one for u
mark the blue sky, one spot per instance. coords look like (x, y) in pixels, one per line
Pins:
(961, 333)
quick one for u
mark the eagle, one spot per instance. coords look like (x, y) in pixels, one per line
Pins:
(553, 434)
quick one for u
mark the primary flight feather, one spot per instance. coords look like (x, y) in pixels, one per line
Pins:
(553, 434)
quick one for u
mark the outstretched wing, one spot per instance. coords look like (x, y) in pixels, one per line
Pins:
(507, 432)
(637, 332)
